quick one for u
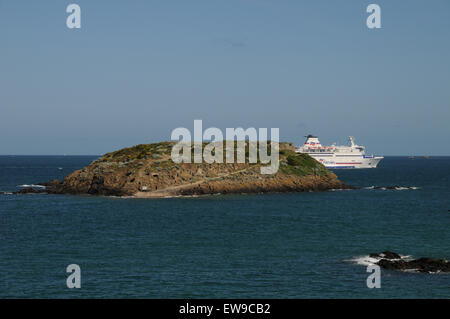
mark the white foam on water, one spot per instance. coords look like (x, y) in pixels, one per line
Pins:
(407, 257)
(367, 260)
(32, 186)
(364, 260)
(399, 188)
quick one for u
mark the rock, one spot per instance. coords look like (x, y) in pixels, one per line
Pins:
(53, 182)
(392, 187)
(390, 255)
(31, 190)
(393, 261)
(430, 265)
(393, 264)
(287, 146)
(386, 255)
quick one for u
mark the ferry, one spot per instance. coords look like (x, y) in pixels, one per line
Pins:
(351, 156)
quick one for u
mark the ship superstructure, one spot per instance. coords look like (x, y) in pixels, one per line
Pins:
(351, 156)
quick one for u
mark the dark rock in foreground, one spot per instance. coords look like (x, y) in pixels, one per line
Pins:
(394, 261)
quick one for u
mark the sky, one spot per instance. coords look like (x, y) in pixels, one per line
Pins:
(136, 70)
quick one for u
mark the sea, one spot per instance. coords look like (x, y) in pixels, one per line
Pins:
(286, 245)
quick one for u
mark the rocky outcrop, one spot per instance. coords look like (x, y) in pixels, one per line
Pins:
(148, 171)
(393, 261)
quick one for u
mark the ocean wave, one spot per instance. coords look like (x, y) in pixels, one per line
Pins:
(31, 186)
(394, 188)
(363, 260)
(368, 260)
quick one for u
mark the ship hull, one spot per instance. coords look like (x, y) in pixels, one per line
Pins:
(341, 162)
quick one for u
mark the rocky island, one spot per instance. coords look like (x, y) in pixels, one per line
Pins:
(147, 170)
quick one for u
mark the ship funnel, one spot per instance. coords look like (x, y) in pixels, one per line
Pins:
(312, 141)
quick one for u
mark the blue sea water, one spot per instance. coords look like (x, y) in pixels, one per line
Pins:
(296, 245)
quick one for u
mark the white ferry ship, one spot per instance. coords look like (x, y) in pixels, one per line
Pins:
(352, 156)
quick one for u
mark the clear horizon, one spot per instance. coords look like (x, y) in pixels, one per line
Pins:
(137, 70)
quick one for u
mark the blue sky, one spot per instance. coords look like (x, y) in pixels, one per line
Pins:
(138, 69)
